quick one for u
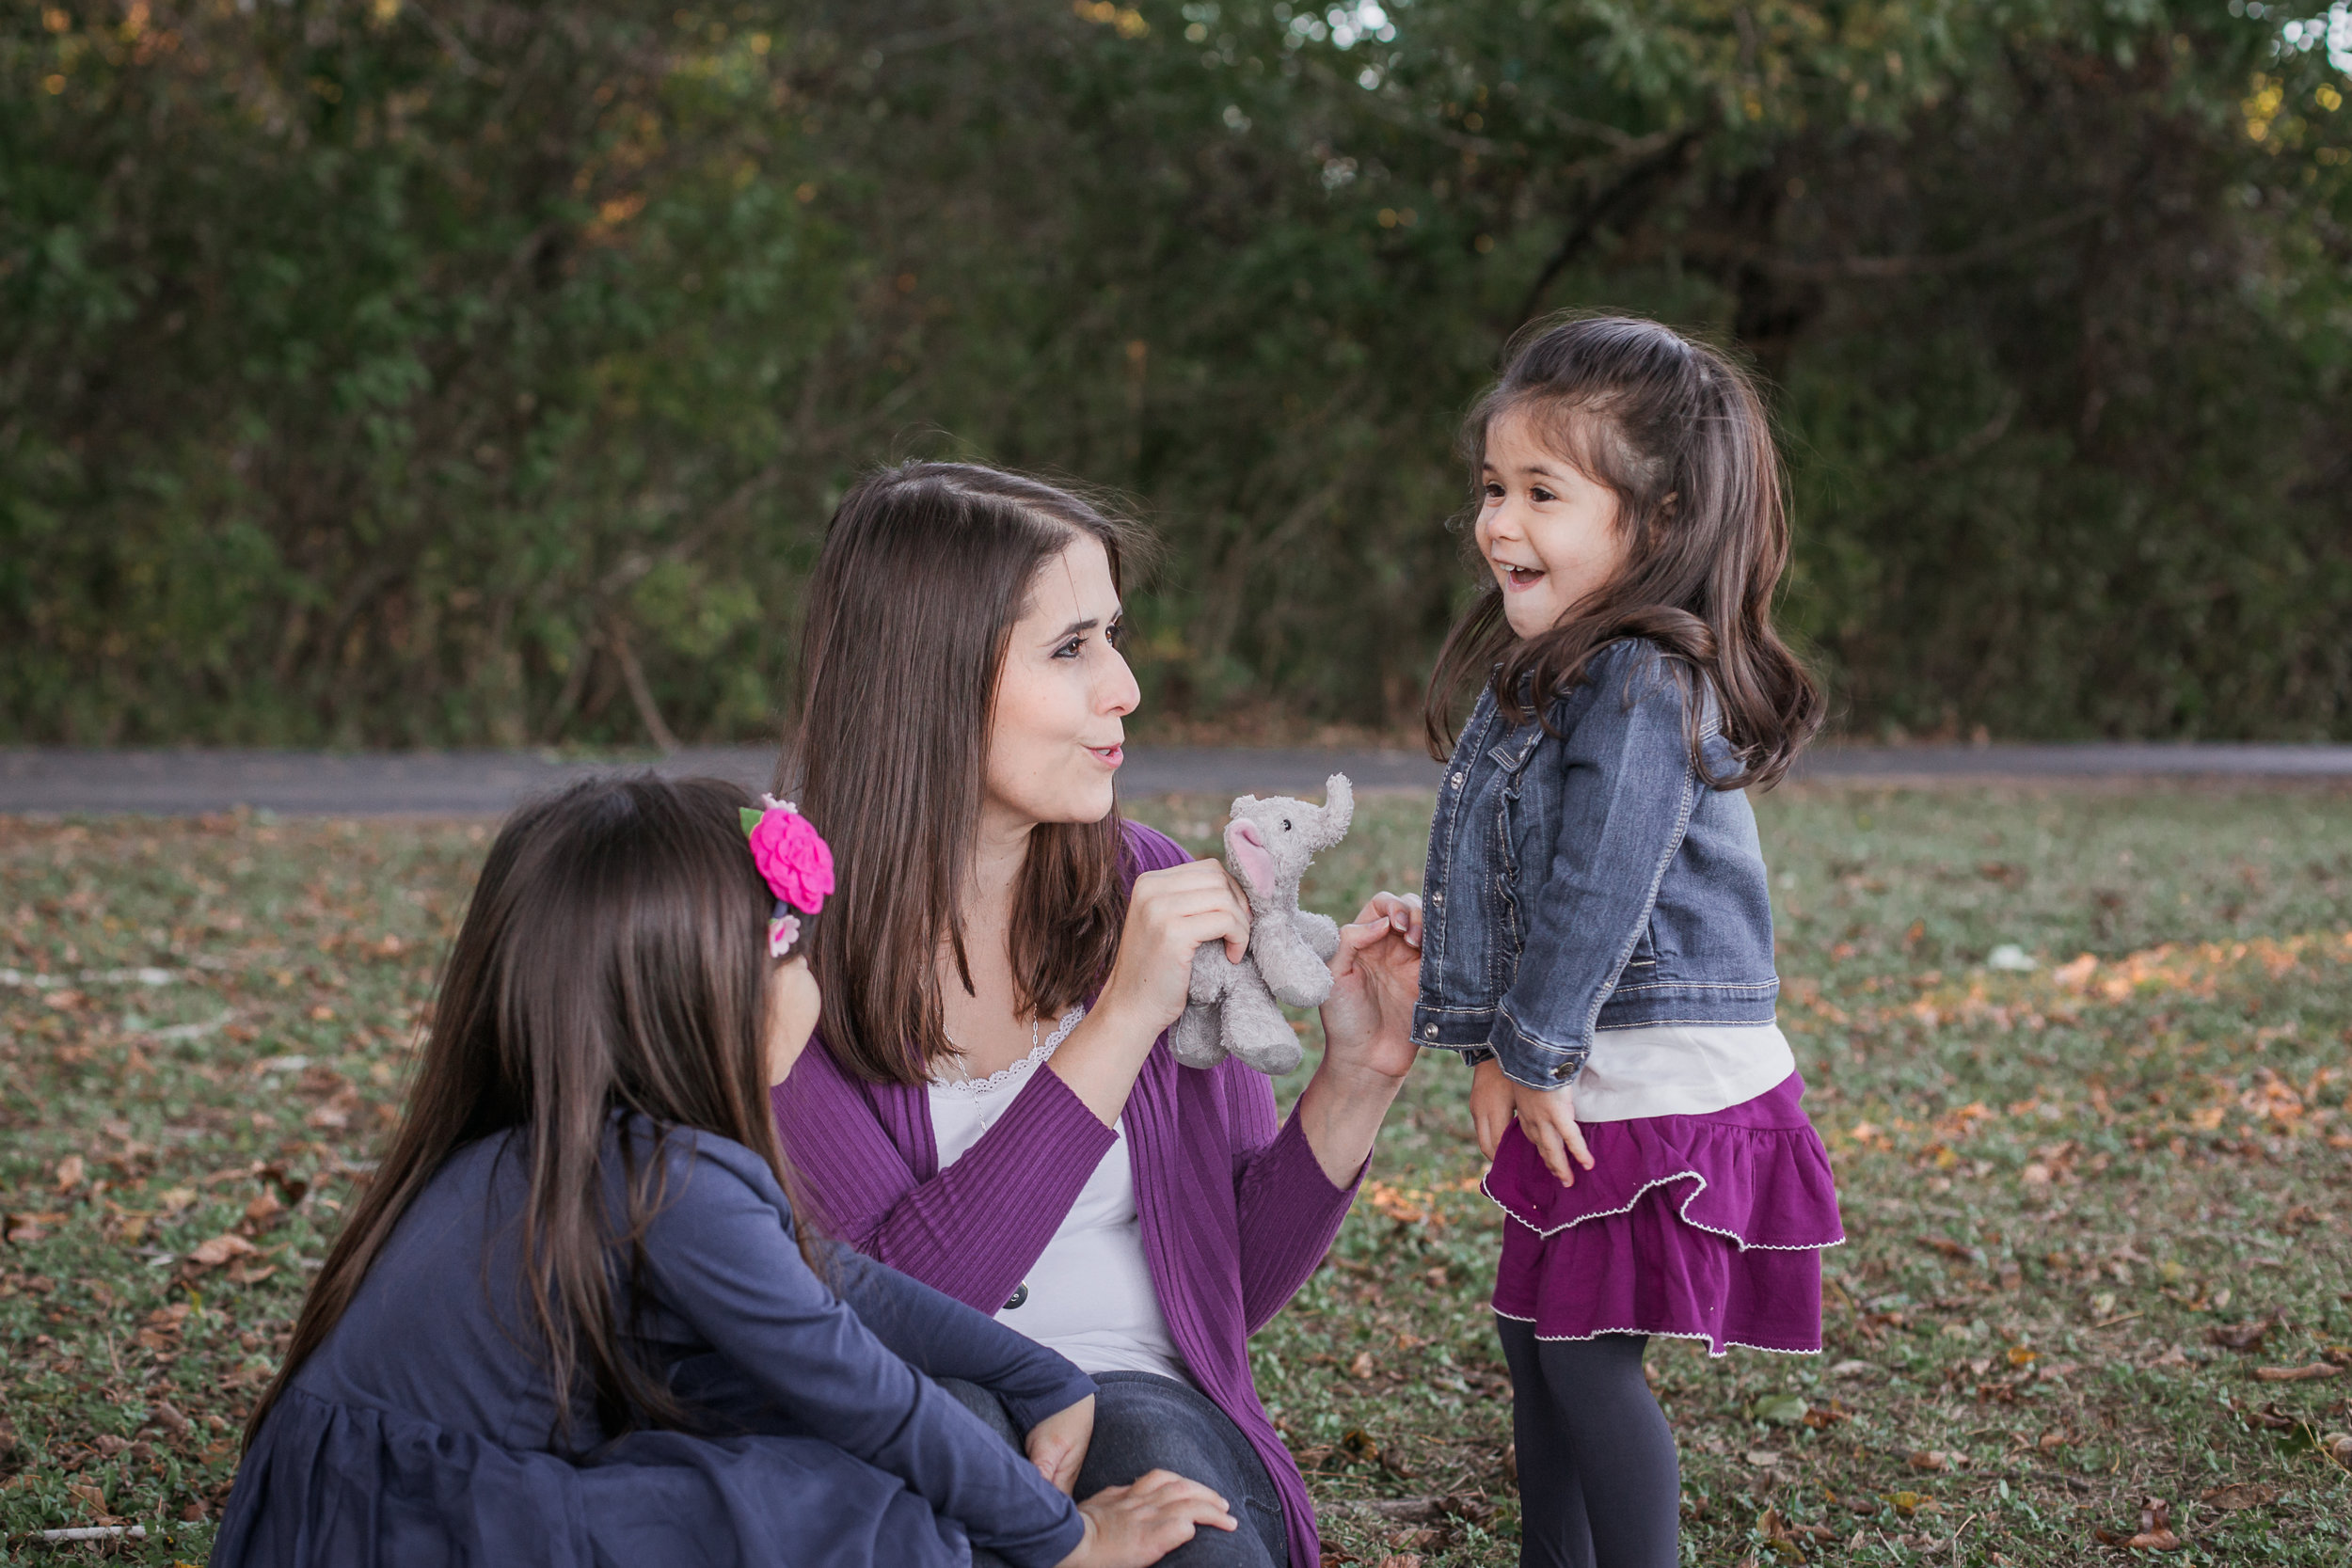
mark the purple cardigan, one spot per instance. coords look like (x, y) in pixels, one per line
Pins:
(1235, 1212)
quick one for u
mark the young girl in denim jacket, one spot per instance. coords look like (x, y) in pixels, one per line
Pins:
(1598, 937)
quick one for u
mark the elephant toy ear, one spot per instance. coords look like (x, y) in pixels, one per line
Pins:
(1246, 852)
(1339, 808)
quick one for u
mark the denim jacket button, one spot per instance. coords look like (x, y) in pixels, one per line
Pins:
(1429, 1031)
(1561, 1070)
(1436, 898)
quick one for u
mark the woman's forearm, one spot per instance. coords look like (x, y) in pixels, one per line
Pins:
(1341, 1112)
(1103, 1056)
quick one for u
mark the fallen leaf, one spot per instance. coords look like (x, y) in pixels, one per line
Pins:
(246, 1274)
(166, 1416)
(212, 1254)
(2155, 1533)
(2312, 1373)
(68, 1173)
(1930, 1459)
(2245, 1335)
(1780, 1409)
(2244, 1493)
(1400, 1560)
(88, 1497)
(1361, 1367)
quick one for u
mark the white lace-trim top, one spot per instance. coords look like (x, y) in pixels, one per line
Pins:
(1019, 1069)
(1089, 1294)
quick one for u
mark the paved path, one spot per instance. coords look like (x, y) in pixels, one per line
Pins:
(486, 783)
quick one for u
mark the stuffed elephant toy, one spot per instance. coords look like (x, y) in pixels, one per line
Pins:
(1232, 1011)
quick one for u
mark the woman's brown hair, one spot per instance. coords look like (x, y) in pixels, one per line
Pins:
(613, 958)
(925, 571)
(1676, 431)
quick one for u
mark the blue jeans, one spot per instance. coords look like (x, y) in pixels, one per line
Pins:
(1143, 1421)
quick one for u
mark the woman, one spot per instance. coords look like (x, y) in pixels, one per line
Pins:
(991, 1105)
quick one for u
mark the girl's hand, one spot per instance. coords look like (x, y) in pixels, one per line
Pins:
(1131, 1527)
(1169, 914)
(1546, 1116)
(1057, 1445)
(1376, 980)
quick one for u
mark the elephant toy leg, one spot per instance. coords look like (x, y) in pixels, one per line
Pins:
(1256, 1031)
(1197, 1039)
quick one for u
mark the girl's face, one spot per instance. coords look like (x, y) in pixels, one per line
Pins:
(1058, 736)
(792, 1010)
(1547, 532)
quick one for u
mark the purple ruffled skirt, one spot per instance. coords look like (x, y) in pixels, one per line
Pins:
(1698, 1228)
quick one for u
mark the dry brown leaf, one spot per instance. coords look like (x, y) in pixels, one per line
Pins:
(2312, 1373)
(1930, 1459)
(2242, 1493)
(88, 1497)
(2245, 1335)
(2155, 1533)
(166, 1416)
(212, 1254)
(1361, 1367)
(68, 1173)
(1400, 1560)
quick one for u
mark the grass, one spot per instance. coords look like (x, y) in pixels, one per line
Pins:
(2069, 1190)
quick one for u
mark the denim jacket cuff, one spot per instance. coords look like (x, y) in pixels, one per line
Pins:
(1473, 1054)
(1529, 1059)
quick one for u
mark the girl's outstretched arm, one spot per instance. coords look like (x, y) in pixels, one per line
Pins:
(722, 1258)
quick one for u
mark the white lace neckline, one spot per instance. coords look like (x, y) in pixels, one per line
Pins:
(1020, 1069)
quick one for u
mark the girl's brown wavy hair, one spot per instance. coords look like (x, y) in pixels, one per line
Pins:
(1677, 432)
(613, 958)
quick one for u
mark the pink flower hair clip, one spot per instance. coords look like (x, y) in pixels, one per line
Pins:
(795, 861)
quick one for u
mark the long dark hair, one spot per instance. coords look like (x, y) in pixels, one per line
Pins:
(925, 571)
(614, 956)
(1676, 429)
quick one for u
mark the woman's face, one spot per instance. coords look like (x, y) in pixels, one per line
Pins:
(792, 1011)
(1056, 740)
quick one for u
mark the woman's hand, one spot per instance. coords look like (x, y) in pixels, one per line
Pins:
(1130, 1526)
(1376, 980)
(1169, 914)
(1057, 1445)
(1546, 1117)
(1367, 1035)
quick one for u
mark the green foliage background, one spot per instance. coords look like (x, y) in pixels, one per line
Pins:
(375, 372)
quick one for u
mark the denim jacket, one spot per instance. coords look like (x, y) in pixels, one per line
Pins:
(1588, 879)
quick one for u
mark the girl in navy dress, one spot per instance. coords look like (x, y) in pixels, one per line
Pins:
(575, 1319)
(1598, 936)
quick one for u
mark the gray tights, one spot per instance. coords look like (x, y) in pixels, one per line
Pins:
(1600, 1486)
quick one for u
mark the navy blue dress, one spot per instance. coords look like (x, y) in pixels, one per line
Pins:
(422, 1432)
